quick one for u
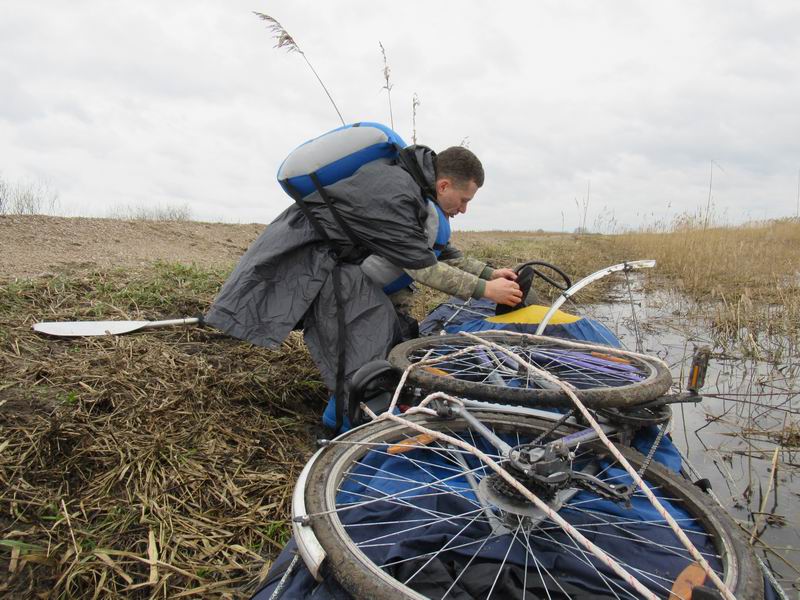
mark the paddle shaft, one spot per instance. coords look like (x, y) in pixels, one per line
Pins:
(171, 323)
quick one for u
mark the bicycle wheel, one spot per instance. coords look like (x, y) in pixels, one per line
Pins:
(410, 524)
(607, 378)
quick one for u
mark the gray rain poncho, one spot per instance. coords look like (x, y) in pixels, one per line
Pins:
(285, 279)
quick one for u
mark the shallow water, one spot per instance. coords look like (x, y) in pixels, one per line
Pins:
(731, 436)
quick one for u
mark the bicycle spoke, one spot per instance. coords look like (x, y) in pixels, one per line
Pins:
(539, 566)
(466, 568)
(475, 512)
(650, 576)
(503, 562)
(404, 499)
(458, 547)
(583, 557)
(442, 549)
(581, 368)
(383, 445)
(394, 499)
(676, 550)
(661, 523)
(444, 529)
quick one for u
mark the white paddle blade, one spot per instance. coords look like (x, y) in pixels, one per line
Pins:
(88, 328)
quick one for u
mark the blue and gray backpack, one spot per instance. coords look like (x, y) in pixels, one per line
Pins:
(338, 154)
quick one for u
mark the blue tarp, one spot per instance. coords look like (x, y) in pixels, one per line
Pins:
(574, 573)
(478, 315)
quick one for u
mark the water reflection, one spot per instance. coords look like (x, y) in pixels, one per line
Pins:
(745, 436)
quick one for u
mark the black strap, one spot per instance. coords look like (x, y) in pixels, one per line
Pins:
(298, 198)
(337, 290)
(342, 255)
(323, 193)
(340, 343)
(412, 166)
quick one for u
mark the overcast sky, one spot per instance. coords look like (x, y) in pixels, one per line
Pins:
(146, 103)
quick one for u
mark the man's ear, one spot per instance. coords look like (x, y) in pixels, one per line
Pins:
(442, 184)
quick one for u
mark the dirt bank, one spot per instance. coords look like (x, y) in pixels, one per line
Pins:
(33, 245)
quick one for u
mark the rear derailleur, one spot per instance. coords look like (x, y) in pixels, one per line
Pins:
(547, 469)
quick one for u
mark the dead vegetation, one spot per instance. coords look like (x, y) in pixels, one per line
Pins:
(152, 465)
(746, 279)
(576, 255)
(758, 261)
(161, 464)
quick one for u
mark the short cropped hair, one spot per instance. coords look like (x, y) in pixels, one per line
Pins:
(460, 165)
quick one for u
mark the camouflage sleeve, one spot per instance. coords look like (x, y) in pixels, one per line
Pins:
(470, 265)
(450, 280)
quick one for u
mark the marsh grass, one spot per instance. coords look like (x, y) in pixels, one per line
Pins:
(576, 255)
(759, 261)
(284, 40)
(149, 465)
(747, 278)
(744, 281)
(387, 85)
(27, 198)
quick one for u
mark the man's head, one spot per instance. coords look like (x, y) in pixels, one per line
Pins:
(459, 174)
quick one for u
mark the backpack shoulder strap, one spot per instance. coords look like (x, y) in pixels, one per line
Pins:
(409, 161)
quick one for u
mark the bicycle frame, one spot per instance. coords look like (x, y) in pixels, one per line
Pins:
(309, 547)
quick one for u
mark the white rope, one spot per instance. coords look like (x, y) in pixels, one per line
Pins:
(726, 592)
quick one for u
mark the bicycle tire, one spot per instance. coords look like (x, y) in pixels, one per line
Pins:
(348, 562)
(595, 389)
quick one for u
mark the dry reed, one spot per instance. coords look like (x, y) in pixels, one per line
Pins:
(153, 465)
(286, 41)
(747, 278)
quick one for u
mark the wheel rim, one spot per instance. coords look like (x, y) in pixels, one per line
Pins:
(409, 518)
(600, 377)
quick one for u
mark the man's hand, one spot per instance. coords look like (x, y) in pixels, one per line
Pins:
(504, 273)
(503, 291)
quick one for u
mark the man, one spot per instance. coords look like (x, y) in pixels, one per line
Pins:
(312, 267)
(458, 176)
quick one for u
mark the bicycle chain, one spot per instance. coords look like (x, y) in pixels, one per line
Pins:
(555, 426)
(651, 453)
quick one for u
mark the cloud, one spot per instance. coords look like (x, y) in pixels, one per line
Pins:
(188, 102)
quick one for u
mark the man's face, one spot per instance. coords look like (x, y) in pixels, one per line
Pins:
(453, 198)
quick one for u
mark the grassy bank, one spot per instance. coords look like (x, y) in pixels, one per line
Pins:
(745, 280)
(759, 261)
(147, 465)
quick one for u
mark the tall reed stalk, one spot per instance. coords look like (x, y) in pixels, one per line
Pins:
(284, 40)
(387, 85)
(414, 104)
